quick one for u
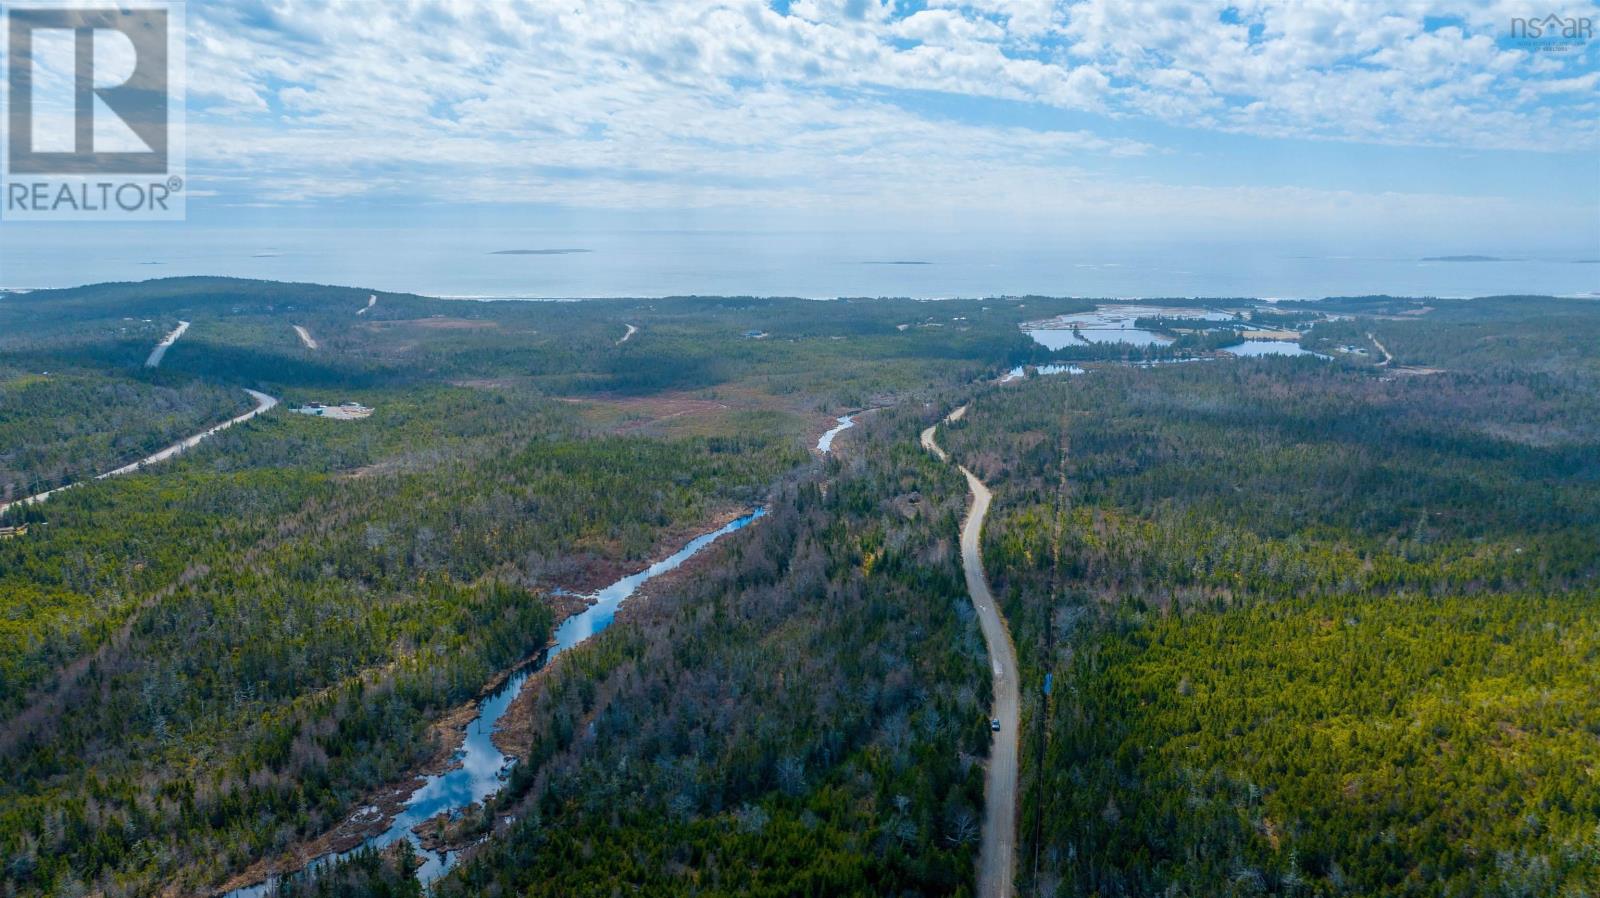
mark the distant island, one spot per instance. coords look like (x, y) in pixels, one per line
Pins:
(1464, 259)
(898, 262)
(537, 252)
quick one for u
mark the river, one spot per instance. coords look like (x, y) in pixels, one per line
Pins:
(825, 444)
(482, 769)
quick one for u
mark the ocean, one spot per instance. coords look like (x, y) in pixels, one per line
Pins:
(501, 263)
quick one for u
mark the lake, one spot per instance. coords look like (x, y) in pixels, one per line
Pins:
(1269, 347)
(1112, 324)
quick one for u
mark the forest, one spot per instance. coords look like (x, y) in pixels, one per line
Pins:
(1288, 626)
(804, 717)
(1309, 629)
(213, 661)
(279, 641)
(845, 352)
(59, 428)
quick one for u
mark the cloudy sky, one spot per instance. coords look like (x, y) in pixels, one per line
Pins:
(1230, 136)
(1321, 115)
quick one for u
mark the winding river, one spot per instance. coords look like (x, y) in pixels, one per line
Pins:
(825, 444)
(481, 769)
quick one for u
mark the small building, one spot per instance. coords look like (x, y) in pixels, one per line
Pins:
(346, 411)
(9, 532)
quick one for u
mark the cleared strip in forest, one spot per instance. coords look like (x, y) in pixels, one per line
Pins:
(157, 354)
(1387, 358)
(263, 402)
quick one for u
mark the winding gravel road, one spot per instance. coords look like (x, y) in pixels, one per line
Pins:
(160, 352)
(263, 403)
(997, 852)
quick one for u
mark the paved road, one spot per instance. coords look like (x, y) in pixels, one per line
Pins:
(305, 336)
(997, 853)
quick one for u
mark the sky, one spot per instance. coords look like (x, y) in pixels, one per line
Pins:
(1345, 124)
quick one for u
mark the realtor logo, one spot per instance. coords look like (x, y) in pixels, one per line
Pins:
(93, 113)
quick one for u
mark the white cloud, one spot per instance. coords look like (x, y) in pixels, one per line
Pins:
(1340, 69)
(610, 103)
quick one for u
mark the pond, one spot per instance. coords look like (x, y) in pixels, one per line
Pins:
(1111, 324)
(1021, 371)
(1270, 347)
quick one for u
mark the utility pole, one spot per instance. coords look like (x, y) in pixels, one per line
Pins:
(1055, 595)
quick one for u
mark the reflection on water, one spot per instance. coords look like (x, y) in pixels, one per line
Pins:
(674, 254)
(1112, 324)
(1061, 338)
(1270, 347)
(1021, 371)
(845, 423)
(481, 769)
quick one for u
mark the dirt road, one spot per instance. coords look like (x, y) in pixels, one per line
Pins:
(160, 352)
(1387, 358)
(996, 854)
(263, 403)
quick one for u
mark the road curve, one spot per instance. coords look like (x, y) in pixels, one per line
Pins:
(997, 852)
(157, 354)
(263, 403)
(1387, 358)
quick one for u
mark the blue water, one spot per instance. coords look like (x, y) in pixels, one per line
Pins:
(482, 769)
(458, 262)
(1112, 324)
(1061, 338)
(1021, 371)
(1269, 347)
